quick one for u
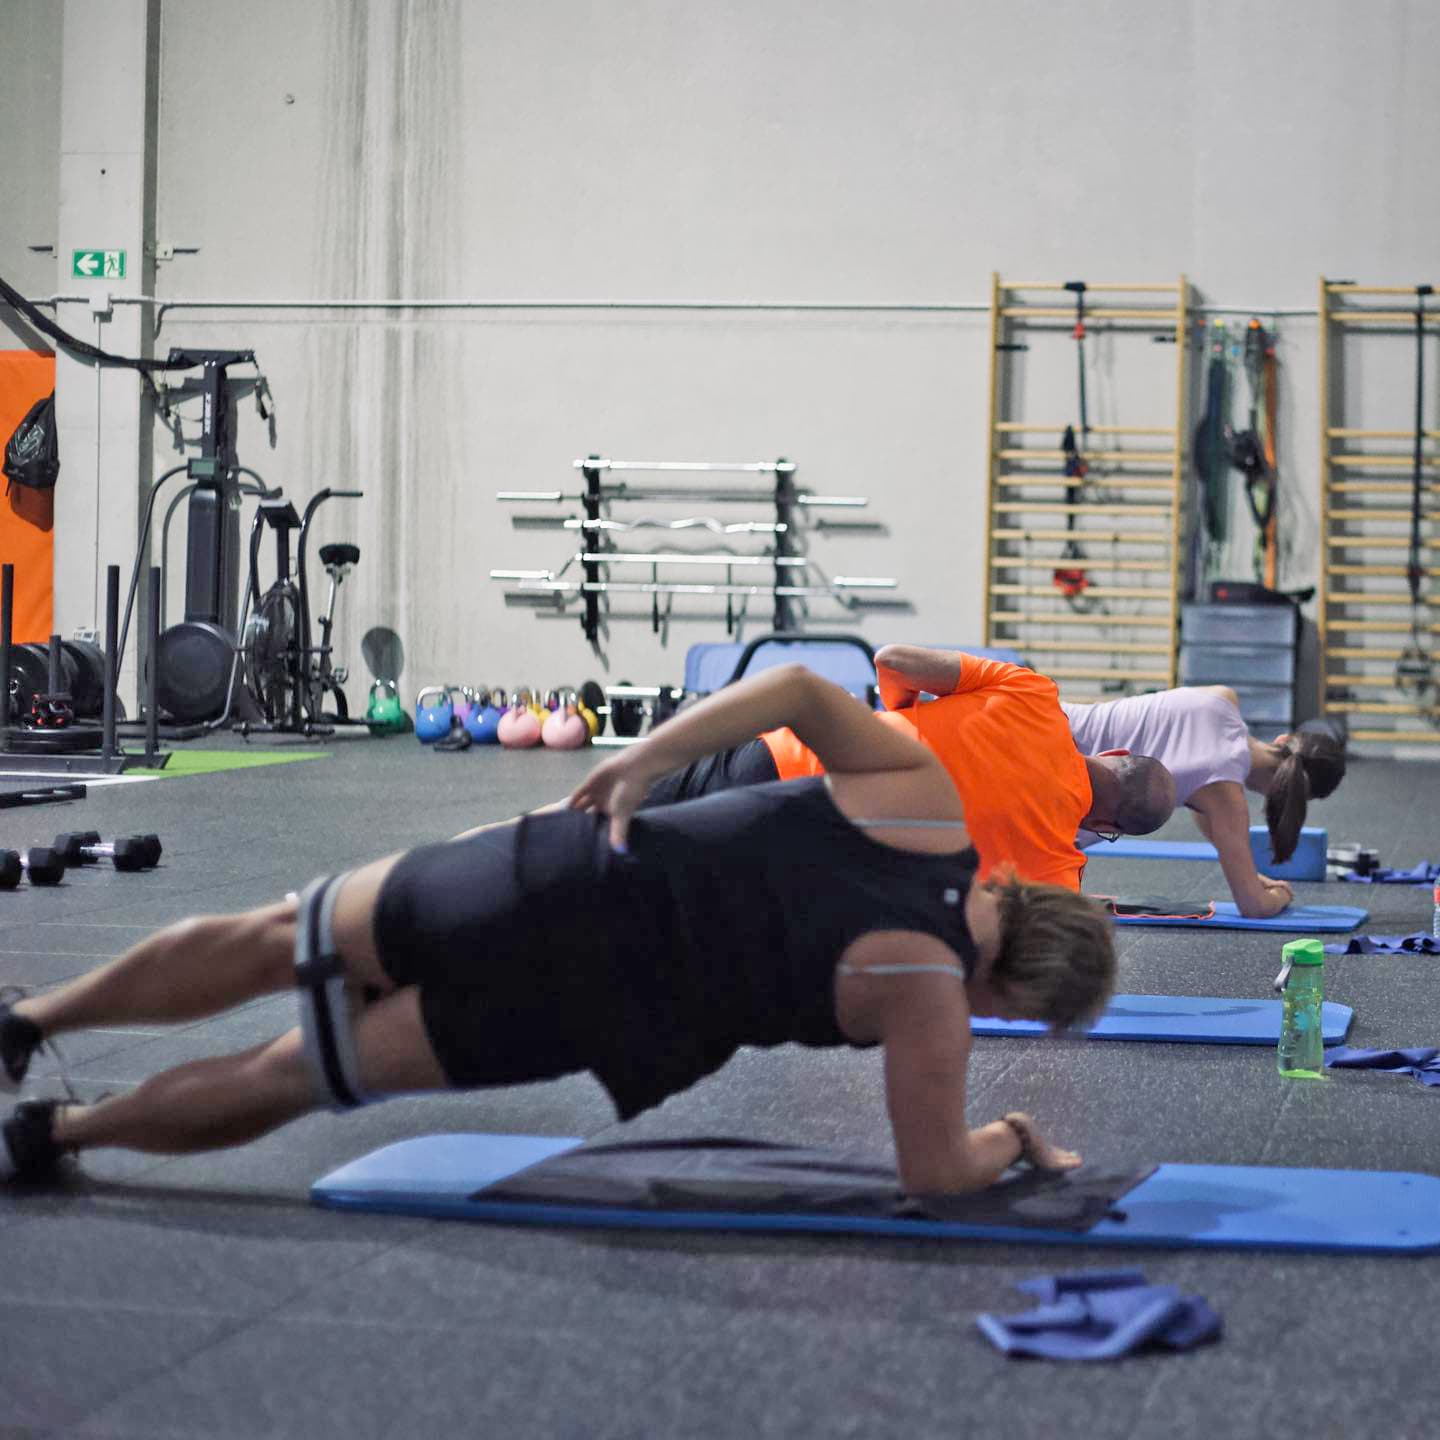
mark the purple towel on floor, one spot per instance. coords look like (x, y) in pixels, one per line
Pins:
(1427, 872)
(1424, 1065)
(1100, 1315)
(1417, 944)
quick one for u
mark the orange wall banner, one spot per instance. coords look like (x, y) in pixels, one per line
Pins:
(27, 516)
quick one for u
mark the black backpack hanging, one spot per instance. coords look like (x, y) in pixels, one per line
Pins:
(32, 454)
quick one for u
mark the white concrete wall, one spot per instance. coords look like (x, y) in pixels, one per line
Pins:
(748, 151)
(30, 49)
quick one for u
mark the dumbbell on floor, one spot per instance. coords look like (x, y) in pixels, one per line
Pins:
(130, 852)
(44, 866)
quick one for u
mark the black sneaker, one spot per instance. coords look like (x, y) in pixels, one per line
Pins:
(28, 1152)
(19, 1040)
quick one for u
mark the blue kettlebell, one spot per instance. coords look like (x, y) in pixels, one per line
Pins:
(484, 724)
(467, 705)
(433, 721)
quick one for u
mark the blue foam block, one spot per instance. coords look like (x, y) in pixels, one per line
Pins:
(1193, 1019)
(1229, 1207)
(1299, 919)
(1307, 863)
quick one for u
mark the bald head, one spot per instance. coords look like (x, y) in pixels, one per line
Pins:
(1133, 794)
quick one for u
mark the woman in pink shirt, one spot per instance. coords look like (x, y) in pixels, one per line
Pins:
(1197, 733)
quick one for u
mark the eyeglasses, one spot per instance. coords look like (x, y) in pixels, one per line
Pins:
(1108, 836)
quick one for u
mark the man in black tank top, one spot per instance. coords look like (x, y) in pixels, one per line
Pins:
(837, 910)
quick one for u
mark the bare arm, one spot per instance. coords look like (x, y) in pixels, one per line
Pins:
(1224, 818)
(903, 671)
(850, 740)
(923, 1020)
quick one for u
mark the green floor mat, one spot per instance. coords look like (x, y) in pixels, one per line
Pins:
(210, 762)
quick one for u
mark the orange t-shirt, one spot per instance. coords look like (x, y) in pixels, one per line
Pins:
(1006, 744)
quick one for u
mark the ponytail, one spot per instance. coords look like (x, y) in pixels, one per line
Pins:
(1311, 766)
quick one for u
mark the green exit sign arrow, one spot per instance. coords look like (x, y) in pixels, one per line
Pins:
(98, 264)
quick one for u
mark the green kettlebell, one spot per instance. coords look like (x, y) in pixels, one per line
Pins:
(383, 713)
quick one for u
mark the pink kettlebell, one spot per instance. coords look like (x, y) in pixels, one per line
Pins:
(565, 729)
(519, 729)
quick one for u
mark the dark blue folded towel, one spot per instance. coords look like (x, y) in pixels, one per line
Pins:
(1417, 944)
(1100, 1315)
(1427, 872)
(1424, 1065)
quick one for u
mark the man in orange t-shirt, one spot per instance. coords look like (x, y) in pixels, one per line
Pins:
(1005, 742)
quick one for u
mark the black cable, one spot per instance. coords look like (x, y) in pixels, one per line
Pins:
(82, 348)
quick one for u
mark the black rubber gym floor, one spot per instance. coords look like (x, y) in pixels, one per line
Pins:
(205, 1297)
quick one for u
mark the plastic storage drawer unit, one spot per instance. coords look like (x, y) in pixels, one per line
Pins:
(1237, 665)
(1239, 624)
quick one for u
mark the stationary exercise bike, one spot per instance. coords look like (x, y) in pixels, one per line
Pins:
(287, 675)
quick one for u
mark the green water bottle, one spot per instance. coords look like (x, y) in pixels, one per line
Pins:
(1300, 1055)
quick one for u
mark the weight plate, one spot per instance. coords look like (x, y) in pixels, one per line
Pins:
(88, 692)
(592, 697)
(195, 658)
(627, 716)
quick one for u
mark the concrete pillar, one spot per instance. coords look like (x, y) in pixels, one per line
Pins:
(107, 203)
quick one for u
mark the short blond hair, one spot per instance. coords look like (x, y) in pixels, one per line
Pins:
(1056, 961)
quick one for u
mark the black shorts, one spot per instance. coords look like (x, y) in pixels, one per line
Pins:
(507, 936)
(748, 764)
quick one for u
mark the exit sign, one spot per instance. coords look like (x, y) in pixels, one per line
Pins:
(98, 264)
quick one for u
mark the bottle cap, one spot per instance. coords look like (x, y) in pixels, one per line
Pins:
(1304, 952)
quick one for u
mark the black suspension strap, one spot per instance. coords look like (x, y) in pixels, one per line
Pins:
(1415, 570)
(1211, 454)
(1414, 671)
(1252, 450)
(1073, 580)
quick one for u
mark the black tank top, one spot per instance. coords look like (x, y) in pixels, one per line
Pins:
(723, 924)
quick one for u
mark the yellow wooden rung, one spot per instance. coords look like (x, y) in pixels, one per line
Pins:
(1014, 617)
(1072, 672)
(1377, 627)
(1089, 537)
(1408, 737)
(1369, 707)
(1075, 482)
(1156, 314)
(1098, 592)
(1100, 457)
(1058, 507)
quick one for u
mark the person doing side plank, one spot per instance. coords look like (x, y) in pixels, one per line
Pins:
(1003, 739)
(1197, 731)
(829, 911)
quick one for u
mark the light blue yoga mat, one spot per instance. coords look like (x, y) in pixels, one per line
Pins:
(1179, 1206)
(1307, 863)
(1192, 1019)
(1298, 919)
(1135, 847)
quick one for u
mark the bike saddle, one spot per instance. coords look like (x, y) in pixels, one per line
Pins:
(339, 554)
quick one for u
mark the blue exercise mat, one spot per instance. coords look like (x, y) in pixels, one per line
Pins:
(1301, 919)
(1196, 1019)
(1178, 1206)
(1306, 863)
(1136, 847)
